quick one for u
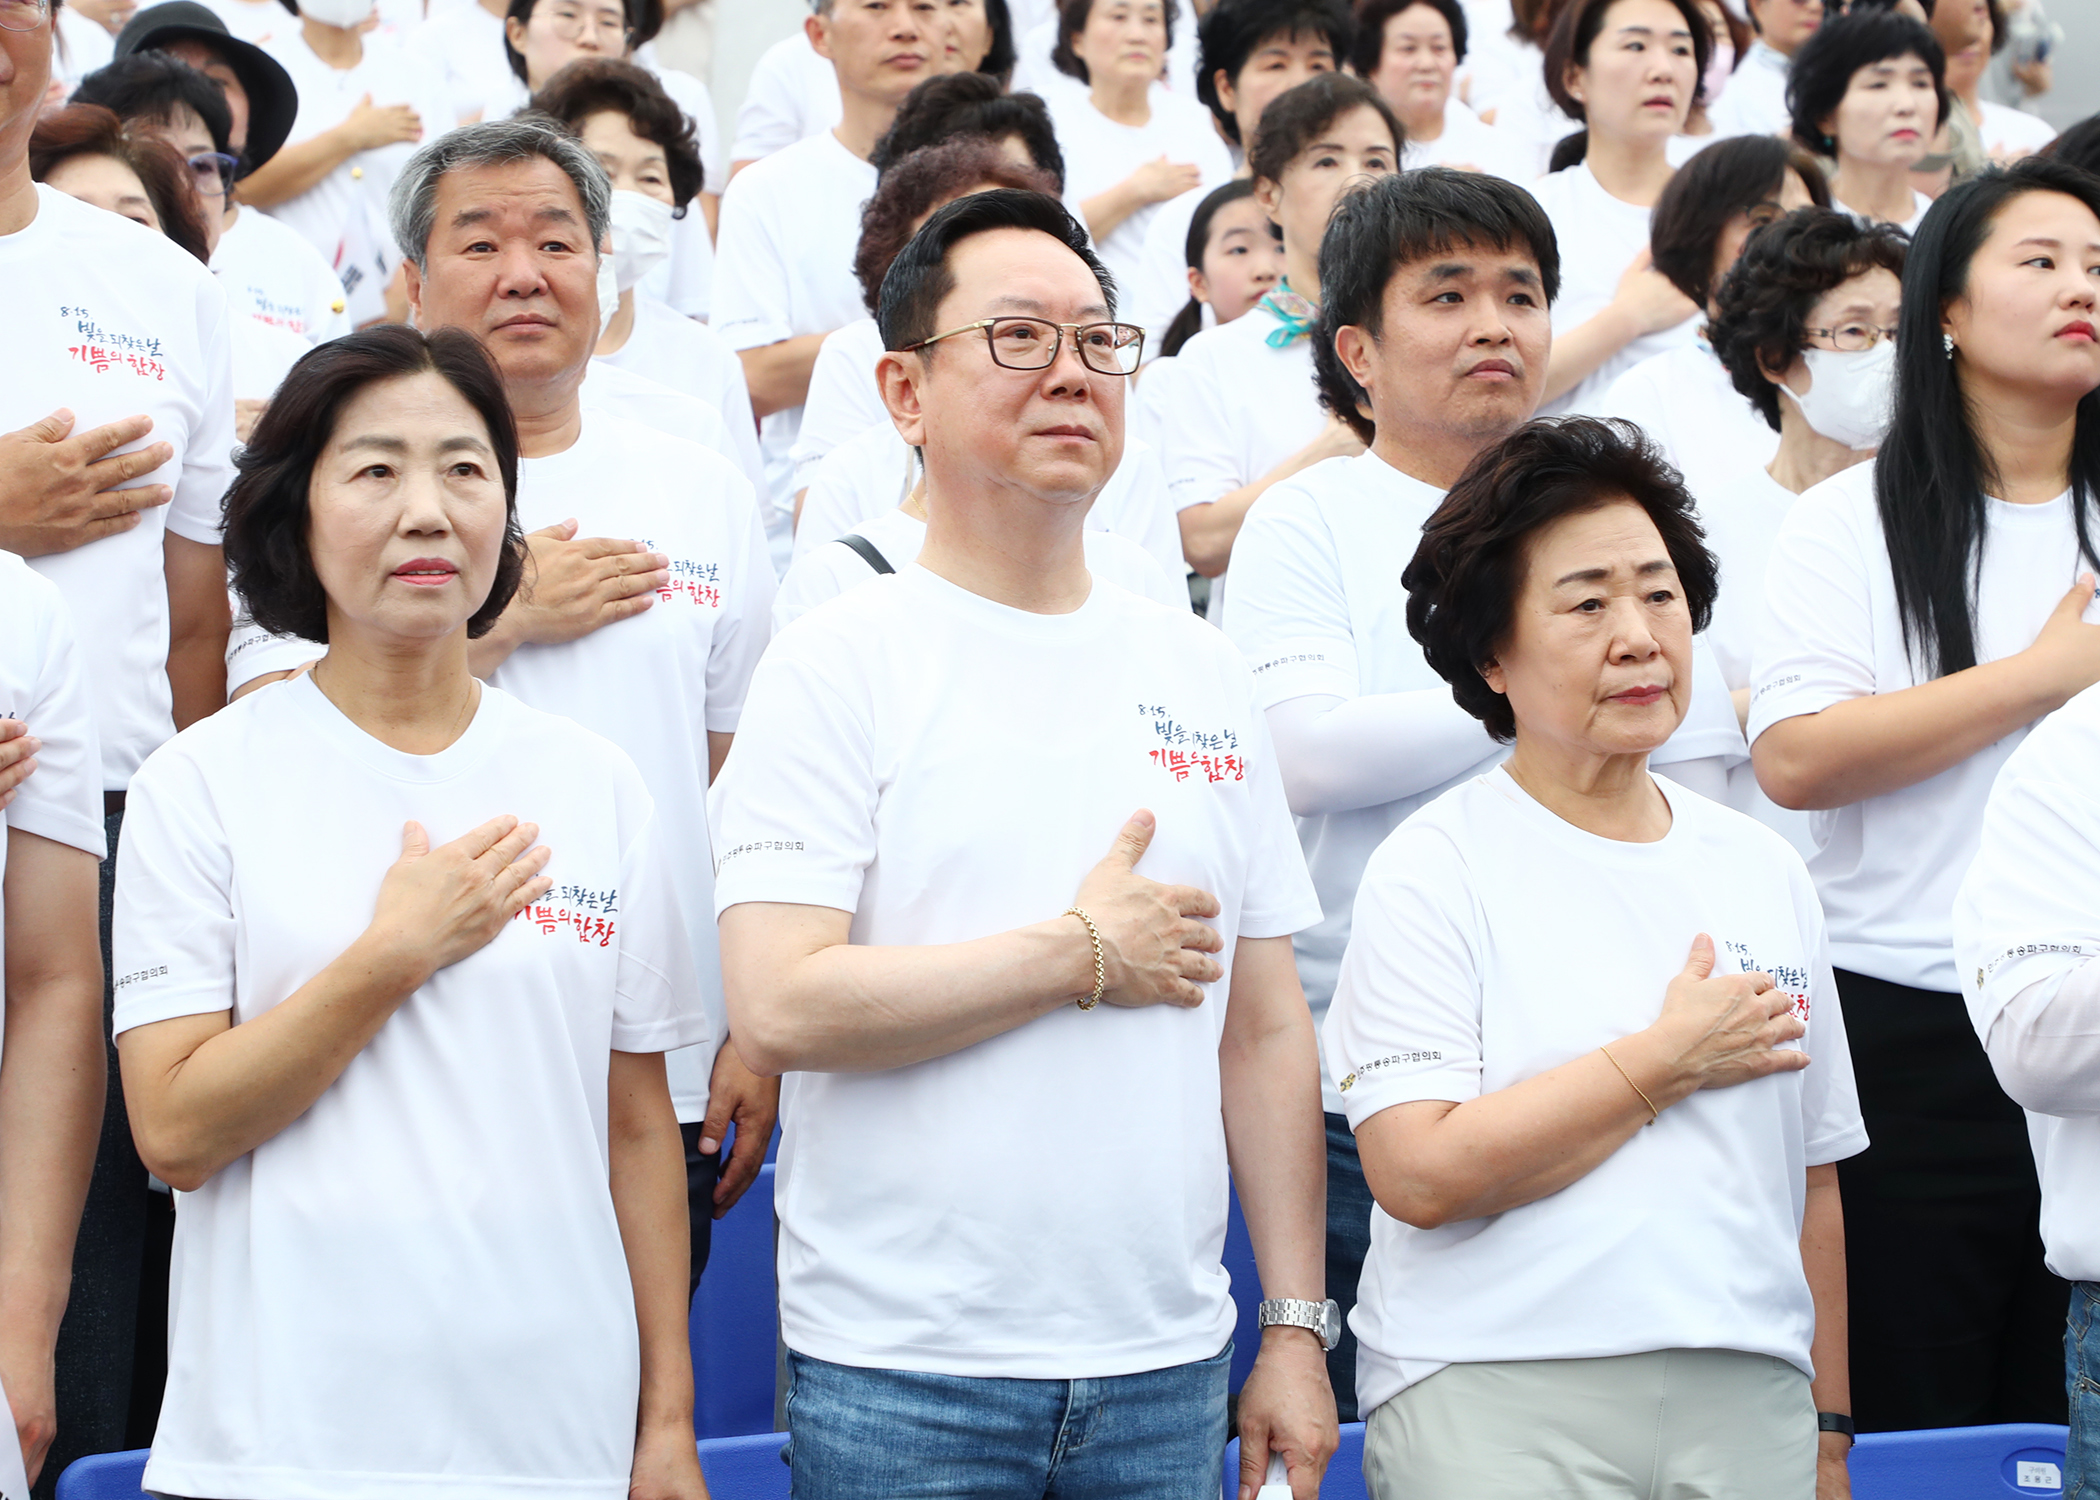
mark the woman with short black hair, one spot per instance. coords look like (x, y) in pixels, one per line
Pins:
(1921, 613)
(402, 1058)
(1557, 1300)
(1410, 51)
(1869, 91)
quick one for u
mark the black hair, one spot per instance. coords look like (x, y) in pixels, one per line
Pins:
(969, 104)
(1299, 114)
(1822, 69)
(1933, 469)
(1392, 222)
(1071, 20)
(1189, 321)
(2080, 145)
(1371, 17)
(595, 85)
(269, 554)
(1236, 29)
(152, 87)
(1735, 176)
(1568, 44)
(999, 61)
(1788, 267)
(919, 278)
(641, 23)
(1466, 575)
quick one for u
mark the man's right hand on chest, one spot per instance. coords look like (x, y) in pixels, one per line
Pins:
(60, 489)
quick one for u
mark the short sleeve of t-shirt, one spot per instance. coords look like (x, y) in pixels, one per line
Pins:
(794, 810)
(1831, 1127)
(656, 995)
(207, 460)
(1404, 1025)
(752, 298)
(1279, 900)
(1289, 614)
(741, 638)
(1195, 421)
(174, 921)
(1818, 645)
(43, 683)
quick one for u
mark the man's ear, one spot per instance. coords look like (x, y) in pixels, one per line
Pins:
(1352, 346)
(415, 293)
(898, 375)
(818, 30)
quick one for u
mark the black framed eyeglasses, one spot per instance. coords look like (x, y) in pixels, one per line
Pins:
(1032, 343)
(212, 171)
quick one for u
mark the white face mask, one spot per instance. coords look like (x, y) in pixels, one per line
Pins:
(343, 13)
(1720, 67)
(1851, 394)
(641, 235)
(608, 294)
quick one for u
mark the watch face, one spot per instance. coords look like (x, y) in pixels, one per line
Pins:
(1330, 1323)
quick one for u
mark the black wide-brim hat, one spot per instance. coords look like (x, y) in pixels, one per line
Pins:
(273, 99)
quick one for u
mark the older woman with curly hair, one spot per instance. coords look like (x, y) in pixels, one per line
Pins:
(1547, 961)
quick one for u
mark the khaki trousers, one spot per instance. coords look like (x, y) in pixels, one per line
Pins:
(1677, 1424)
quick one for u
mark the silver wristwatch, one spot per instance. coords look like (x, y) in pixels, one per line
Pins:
(1324, 1319)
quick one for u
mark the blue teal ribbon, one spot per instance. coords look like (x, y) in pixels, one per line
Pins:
(1295, 317)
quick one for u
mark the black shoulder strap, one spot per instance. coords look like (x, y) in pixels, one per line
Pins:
(868, 552)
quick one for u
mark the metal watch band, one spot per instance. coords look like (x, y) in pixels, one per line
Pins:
(1294, 1312)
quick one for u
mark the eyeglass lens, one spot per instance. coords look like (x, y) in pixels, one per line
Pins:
(1032, 344)
(22, 15)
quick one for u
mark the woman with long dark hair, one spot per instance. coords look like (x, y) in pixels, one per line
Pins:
(1924, 611)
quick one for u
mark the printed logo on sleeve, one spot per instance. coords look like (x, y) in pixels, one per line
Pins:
(1289, 661)
(759, 846)
(1186, 753)
(1790, 979)
(103, 350)
(586, 914)
(1390, 1060)
(158, 971)
(2028, 950)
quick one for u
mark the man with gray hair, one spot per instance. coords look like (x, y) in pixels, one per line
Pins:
(649, 595)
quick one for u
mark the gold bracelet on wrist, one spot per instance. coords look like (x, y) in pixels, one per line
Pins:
(1100, 964)
(1654, 1114)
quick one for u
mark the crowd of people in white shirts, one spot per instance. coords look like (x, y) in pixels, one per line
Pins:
(1489, 576)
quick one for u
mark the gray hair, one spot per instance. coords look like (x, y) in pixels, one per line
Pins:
(412, 207)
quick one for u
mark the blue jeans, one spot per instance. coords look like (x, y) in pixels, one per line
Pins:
(2082, 1385)
(857, 1434)
(1348, 1242)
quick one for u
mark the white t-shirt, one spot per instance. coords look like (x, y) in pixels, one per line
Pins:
(1684, 400)
(43, 683)
(1472, 143)
(1317, 609)
(1236, 409)
(784, 263)
(262, 356)
(1099, 153)
(84, 44)
(466, 43)
(613, 387)
(655, 684)
(344, 214)
(2012, 131)
(273, 275)
(793, 94)
(1887, 868)
(1476, 964)
(112, 320)
(2024, 919)
(1919, 203)
(871, 476)
(366, 1301)
(843, 400)
(1509, 80)
(1599, 236)
(1753, 102)
(945, 768)
(825, 572)
(1158, 286)
(691, 358)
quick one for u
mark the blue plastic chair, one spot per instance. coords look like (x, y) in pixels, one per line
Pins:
(1238, 1261)
(1344, 1479)
(1959, 1463)
(105, 1476)
(745, 1468)
(735, 1321)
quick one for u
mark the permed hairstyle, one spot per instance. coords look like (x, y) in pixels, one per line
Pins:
(91, 130)
(411, 208)
(919, 277)
(1298, 115)
(153, 88)
(1466, 575)
(1189, 321)
(1821, 72)
(598, 85)
(913, 186)
(1737, 176)
(269, 552)
(1371, 17)
(1577, 28)
(1788, 267)
(1072, 16)
(1393, 222)
(969, 104)
(1934, 469)
(1236, 29)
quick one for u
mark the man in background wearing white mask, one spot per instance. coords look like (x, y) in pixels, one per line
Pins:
(645, 143)
(364, 103)
(1805, 324)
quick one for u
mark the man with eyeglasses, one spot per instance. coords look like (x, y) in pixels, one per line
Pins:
(116, 418)
(269, 271)
(969, 804)
(364, 103)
